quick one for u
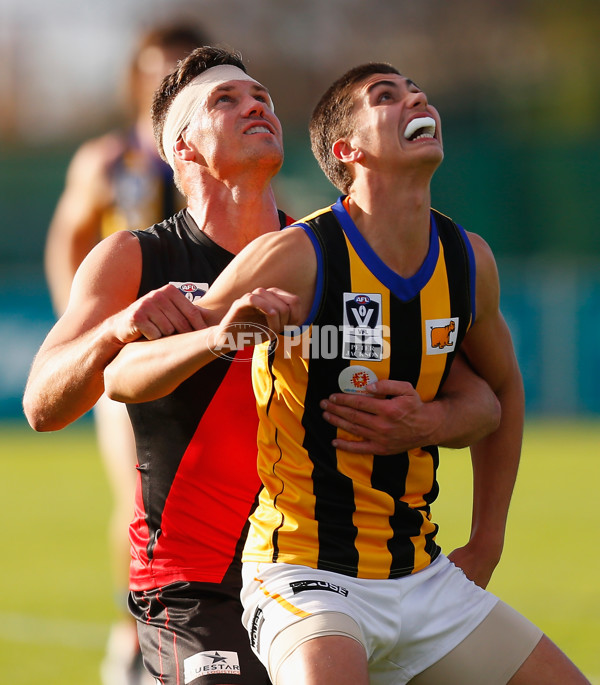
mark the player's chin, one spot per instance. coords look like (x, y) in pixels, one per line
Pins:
(270, 155)
(432, 152)
(432, 144)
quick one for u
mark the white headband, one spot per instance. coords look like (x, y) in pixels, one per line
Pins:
(187, 100)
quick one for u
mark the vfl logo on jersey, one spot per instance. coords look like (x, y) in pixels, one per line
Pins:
(193, 291)
(362, 335)
(441, 335)
(217, 663)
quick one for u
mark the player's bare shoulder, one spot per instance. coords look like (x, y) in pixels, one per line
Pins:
(283, 259)
(481, 249)
(288, 255)
(115, 263)
(289, 238)
(487, 280)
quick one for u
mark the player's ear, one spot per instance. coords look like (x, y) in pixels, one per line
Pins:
(183, 150)
(346, 152)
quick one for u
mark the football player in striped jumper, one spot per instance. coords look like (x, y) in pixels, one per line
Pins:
(344, 576)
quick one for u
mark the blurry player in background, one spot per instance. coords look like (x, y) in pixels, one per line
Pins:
(114, 182)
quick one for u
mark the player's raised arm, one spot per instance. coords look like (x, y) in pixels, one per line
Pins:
(67, 375)
(270, 282)
(148, 370)
(285, 260)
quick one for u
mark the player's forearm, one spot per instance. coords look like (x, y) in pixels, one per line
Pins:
(465, 422)
(495, 465)
(59, 272)
(467, 410)
(147, 370)
(66, 380)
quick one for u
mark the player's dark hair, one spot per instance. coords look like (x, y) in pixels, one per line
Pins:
(332, 119)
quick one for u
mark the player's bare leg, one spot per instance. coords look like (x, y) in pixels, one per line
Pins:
(548, 665)
(328, 659)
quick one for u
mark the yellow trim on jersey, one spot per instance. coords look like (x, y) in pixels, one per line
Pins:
(315, 214)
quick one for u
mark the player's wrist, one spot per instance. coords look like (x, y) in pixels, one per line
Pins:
(487, 545)
(434, 428)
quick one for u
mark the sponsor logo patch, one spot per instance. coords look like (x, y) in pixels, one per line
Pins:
(353, 379)
(441, 335)
(304, 585)
(215, 662)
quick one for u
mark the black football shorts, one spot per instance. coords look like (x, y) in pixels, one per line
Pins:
(192, 633)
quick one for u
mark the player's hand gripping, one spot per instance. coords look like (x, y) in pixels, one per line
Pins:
(393, 420)
(256, 317)
(157, 314)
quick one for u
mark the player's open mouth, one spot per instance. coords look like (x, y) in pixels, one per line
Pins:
(421, 127)
(257, 129)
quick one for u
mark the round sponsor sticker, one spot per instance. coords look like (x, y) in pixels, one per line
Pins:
(355, 378)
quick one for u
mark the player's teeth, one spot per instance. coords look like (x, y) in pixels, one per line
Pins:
(258, 129)
(425, 123)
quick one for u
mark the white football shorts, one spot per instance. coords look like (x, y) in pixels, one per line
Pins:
(405, 624)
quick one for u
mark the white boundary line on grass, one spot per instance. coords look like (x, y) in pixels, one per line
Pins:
(63, 632)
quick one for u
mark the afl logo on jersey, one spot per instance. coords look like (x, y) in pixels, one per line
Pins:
(193, 291)
(362, 299)
(362, 331)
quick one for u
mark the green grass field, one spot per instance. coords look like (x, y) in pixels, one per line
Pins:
(57, 596)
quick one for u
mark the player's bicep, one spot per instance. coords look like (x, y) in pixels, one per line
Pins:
(488, 343)
(488, 347)
(285, 260)
(106, 282)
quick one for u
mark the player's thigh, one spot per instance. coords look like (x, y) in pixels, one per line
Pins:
(491, 654)
(316, 649)
(288, 609)
(548, 665)
(189, 631)
(327, 659)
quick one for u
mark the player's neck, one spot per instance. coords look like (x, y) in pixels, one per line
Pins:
(395, 220)
(234, 216)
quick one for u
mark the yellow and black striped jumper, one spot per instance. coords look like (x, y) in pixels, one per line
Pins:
(365, 516)
(144, 192)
